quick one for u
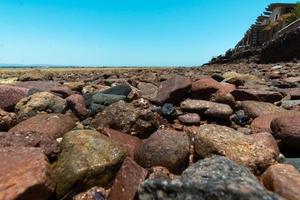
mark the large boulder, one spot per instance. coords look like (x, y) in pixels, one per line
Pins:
(127, 118)
(165, 148)
(256, 108)
(257, 152)
(256, 95)
(212, 178)
(283, 179)
(11, 95)
(39, 131)
(88, 158)
(42, 101)
(287, 129)
(173, 90)
(206, 108)
(7, 120)
(25, 174)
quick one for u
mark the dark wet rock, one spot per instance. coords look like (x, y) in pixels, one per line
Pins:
(98, 101)
(254, 109)
(25, 174)
(148, 90)
(286, 128)
(207, 108)
(43, 101)
(212, 178)
(39, 131)
(173, 90)
(256, 95)
(130, 143)
(257, 151)
(189, 118)
(165, 148)
(7, 120)
(240, 118)
(122, 89)
(76, 103)
(168, 111)
(127, 118)
(283, 179)
(127, 181)
(36, 74)
(217, 77)
(88, 158)
(11, 95)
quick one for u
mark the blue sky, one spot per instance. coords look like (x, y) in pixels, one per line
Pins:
(122, 32)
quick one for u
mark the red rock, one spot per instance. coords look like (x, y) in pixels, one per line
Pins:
(256, 95)
(39, 85)
(77, 105)
(11, 95)
(294, 93)
(283, 179)
(228, 87)
(25, 174)
(173, 90)
(62, 91)
(205, 88)
(256, 108)
(263, 122)
(130, 143)
(127, 181)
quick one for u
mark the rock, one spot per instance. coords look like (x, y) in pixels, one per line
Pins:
(256, 95)
(263, 122)
(173, 90)
(148, 90)
(122, 89)
(241, 79)
(99, 101)
(212, 178)
(168, 111)
(130, 143)
(224, 98)
(39, 131)
(293, 161)
(287, 129)
(294, 93)
(7, 120)
(217, 77)
(127, 181)
(189, 118)
(75, 86)
(290, 104)
(43, 101)
(127, 118)
(62, 91)
(165, 148)
(25, 174)
(240, 118)
(159, 172)
(94, 193)
(228, 87)
(88, 158)
(283, 179)
(11, 95)
(207, 108)
(36, 74)
(255, 109)
(76, 103)
(42, 86)
(257, 151)
(205, 88)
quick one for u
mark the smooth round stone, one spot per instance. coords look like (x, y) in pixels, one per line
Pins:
(189, 118)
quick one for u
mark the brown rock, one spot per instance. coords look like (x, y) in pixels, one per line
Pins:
(159, 172)
(263, 122)
(7, 120)
(61, 91)
(228, 87)
(224, 98)
(255, 108)
(287, 129)
(148, 90)
(39, 131)
(257, 151)
(36, 74)
(39, 85)
(205, 88)
(173, 90)
(189, 118)
(294, 93)
(127, 181)
(130, 143)
(165, 148)
(24, 174)
(77, 105)
(283, 179)
(256, 95)
(94, 193)
(11, 95)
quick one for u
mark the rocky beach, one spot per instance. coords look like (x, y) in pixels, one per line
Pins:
(220, 131)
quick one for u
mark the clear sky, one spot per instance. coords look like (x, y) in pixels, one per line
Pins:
(122, 32)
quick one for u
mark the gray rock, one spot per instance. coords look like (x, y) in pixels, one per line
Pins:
(148, 90)
(293, 161)
(122, 89)
(213, 178)
(99, 101)
(189, 118)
